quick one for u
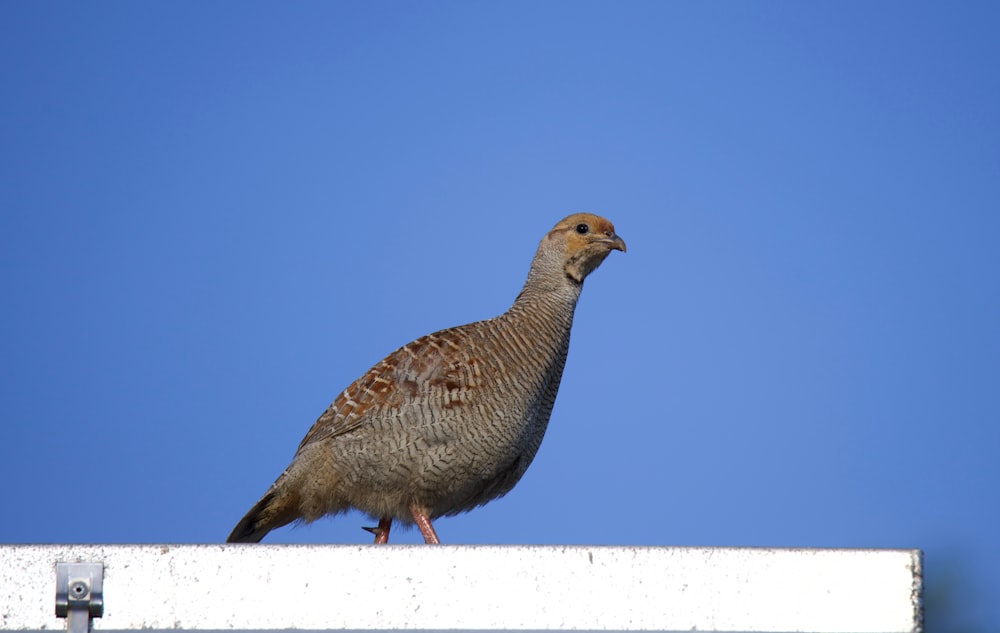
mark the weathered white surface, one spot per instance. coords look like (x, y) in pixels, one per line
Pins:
(266, 587)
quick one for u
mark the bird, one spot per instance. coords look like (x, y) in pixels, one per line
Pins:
(449, 421)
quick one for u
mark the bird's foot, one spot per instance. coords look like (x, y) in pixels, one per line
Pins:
(381, 532)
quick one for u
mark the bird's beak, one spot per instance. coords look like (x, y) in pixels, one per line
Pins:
(614, 242)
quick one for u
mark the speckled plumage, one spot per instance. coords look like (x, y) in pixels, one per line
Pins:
(451, 420)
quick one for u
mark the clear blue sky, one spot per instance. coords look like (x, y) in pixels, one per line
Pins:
(214, 216)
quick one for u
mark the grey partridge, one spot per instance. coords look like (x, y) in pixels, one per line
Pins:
(450, 421)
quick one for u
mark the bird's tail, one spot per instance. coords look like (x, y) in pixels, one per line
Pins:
(272, 511)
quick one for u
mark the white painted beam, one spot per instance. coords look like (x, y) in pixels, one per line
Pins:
(312, 587)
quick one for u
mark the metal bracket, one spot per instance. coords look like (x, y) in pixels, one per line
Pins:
(79, 594)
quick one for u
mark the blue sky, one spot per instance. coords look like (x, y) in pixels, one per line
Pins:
(214, 216)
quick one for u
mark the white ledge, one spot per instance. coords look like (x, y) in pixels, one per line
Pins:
(365, 587)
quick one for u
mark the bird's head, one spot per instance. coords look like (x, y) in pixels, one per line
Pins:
(586, 239)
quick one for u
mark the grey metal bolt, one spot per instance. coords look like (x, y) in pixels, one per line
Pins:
(78, 589)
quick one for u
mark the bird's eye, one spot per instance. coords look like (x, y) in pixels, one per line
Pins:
(582, 229)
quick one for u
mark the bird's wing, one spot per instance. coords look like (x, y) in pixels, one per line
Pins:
(431, 367)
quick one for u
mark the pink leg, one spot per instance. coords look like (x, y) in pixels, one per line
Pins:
(382, 531)
(424, 523)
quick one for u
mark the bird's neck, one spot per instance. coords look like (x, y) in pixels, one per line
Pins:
(547, 301)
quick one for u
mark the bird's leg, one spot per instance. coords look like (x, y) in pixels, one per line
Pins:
(382, 531)
(424, 523)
